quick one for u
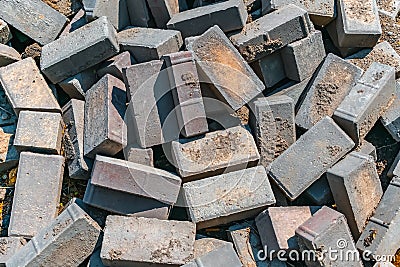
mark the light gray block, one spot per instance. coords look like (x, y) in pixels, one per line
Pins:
(390, 9)
(5, 33)
(77, 85)
(270, 68)
(8, 55)
(9, 246)
(139, 155)
(204, 245)
(7, 114)
(309, 157)
(88, 6)
(391, 118)
(116, 12)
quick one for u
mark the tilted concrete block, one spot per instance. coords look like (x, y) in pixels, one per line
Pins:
(115, 65)
(293, 90)
(77, 85)
(8, 55)
(270, 68)
(139, 155)
(391, 118)
(88, 6)
(8, 155)
(204, 245)
(116, 12)
(368, 149)
(5, 33)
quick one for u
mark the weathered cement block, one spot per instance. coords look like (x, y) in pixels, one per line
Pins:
(228, 15)
(147, 44)
(106, 99)
(366, 101)
(231, 149)
(163, 10)
(73, 117)
(272, 123)
(234, 82)
(302, 58)
(389, 8)
(235, 196)
(327, 229)
(116, 12)
(39, 132)
(380, 236)
(139, 14)
(391, 118)
(33, 18)
(77, 85)
(9, 246)
(98, 41)
(356, 189)
(48, 248)
(115, 65)
(328, 89)
(26, 88)
(30, 214)
(76, 22)
(272, 32)
(139, 155)
(5, 34)
(270, 68)
(309, 157)
(185, 85)
(358, 23)
(148, 239)
(8, 155)
(8, 55)
(319, 193)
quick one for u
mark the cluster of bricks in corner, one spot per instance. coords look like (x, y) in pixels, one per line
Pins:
(199, 133)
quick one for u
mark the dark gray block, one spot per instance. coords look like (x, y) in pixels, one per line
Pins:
(319, 193)
(163, 10)
(270, 68)
(292, 89)
(139, 14)
(115, 65)
(116, 12)
(8, 55)
(77, 85)
(394, 170)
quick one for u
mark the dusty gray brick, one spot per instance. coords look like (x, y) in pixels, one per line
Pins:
(231, 149)
(366, 101)
(333, 42)
(76, 22)
(8, 155)
(272, 32)
(391, 118)
(34, 18)
(234, 196)
(139, 155)
(234, 82)
(116, 12)
(270, 68)
(8, 55)
(97, 42)
(185, 85)
(309, 157)
(319, 193)
(9, 246)
(302, 58)
(77, 85)
(356, 189)
(148, 239)
(5, 34)
(73, 227)
(115, 65)
(368, 149)
(39, 132)
(325, 229)
(380, 236)
(73, 117)
(105, 129)
(332, 82)
(139, 13)
(390, 9)
(163, 10)
(147, 44)
(26, 88)
(228, 15)
(30, 213)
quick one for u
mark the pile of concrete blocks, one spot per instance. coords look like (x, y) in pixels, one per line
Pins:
(205, 133)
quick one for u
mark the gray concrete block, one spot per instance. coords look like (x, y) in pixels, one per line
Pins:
(272, 32)
(73, 117)
(163, 10)
(272, 124)
(228, 16)
(329, 87)
(115, 65)
(356, 189)
(185, 85)
(319, 193)
(33, 18)
(234, 196)
(8, 55)
(327, 229)
(26, 88)
(394, 170)
(368, 149)
(116, 12)
(391, 118)
(292, 89)
(88, 6)
(366, 101)
(5, 33)
(9, 246)
(76, 22)
(230, 150)
(333, 42)
(204, 245)
(77, 85)
(309, 157)
(232, 79)
(147, 44)
(358, 23)
(30, 213)
(8, 154)
(380, 236)
(105, 129)
(66, 241)
(96, 214)
(39, 132)
(97, 42)
(139, 13)
(270, 68)
(302, 58)
(151, 241)
(390, 9)
(139, 155)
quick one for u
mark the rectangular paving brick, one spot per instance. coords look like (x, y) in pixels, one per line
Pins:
(272, 32)
(327, 229)
(272, 124)
(139, 13)
(106, 99)
(39, 132)
(115, 65)
(309, 157)
(139, 155)
(148, 239)
(8, 155)
(163, 10)
(97, 42)
(231, 149)
(234, 82)
(366, 101)
(73, 117)
(380, 236)
(391, 118)
(33, 18)
(32, 213)
(356, 189)
(5, 33)
(26, 88)
(8, 55)
(185, 84)
(77, 85)
(116, 12)
(228, 15)
(234, 196)
(73, 227)
(332, 82)
(9, 246)
(147, 44)
(270, 68)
